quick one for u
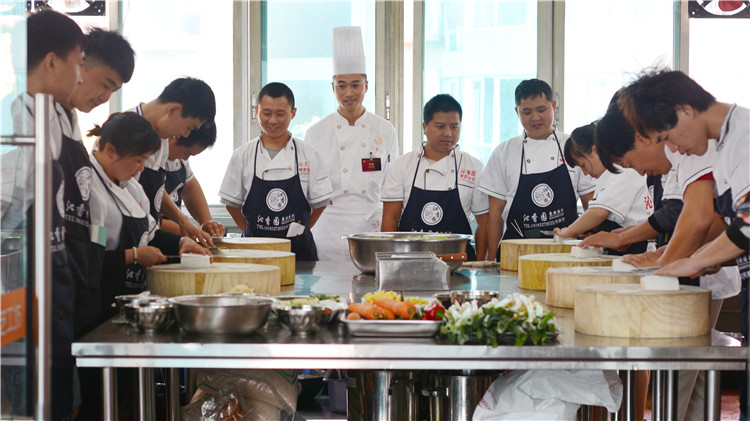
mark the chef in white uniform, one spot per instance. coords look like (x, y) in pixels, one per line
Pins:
(357, 147)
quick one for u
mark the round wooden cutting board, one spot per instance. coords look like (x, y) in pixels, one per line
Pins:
(172, 280)
(283, 259)
(255, 243)
(562, 282)
(532, 268)
(627, 311)
(511, 250)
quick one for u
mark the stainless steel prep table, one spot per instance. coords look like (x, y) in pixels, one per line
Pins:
(118, 345)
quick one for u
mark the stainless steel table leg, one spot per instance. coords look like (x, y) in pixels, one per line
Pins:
(670, 395)
(713, 395)
(173, 399)
(109, 394)
(145, 394)
(657, 395)
(627, 408)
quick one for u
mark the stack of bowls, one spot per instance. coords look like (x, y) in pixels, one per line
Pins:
(149, 316)
(303, 319)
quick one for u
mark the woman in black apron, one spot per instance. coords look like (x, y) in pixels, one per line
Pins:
(536, 196)
(436, 210)
(271, 206)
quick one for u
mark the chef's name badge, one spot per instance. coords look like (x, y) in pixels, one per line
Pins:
(371, 164)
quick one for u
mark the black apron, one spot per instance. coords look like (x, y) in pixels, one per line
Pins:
(85, 257)
(270, 206)
(152, 182)
(174, 183)
(543, 201)
(134, 281)
(656, 188)
(436, 210)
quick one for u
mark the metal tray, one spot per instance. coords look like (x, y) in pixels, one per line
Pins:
(392, 328)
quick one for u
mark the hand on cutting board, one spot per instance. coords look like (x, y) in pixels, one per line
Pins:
(602, 239)
(686, 267)
(149, 256)
(192, 231)
(187, 245)
(643, 260)
(214, 228)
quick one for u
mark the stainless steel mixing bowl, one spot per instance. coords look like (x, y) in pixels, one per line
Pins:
(303, 319)
(221, 314)
(149, 316)
(362, 247)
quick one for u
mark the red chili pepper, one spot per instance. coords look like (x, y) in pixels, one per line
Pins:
(434, 311)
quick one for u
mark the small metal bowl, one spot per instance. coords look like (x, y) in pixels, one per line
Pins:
(303, 320)
(122, 300)
(460, 296)
(149, 316)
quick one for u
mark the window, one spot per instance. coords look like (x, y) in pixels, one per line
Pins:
(297, 49)
(458, 62)
(606, 44)
(176, 38)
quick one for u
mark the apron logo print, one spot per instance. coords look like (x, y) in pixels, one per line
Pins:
(432, 213)
(59, 199)
(158, 197)
(83, 179)
(174, 195)
(276, 200)
(542, 195)
(144, 240)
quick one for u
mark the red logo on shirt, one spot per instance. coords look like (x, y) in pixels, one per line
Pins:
(469, 175)
(304, 168)
(649, 203)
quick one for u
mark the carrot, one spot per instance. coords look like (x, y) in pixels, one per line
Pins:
(403, 309)
(353, 316)
(368, 311)
(385, 313)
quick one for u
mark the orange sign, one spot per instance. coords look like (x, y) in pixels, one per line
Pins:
(12, 316)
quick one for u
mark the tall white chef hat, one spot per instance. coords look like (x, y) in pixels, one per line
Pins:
(348, 51)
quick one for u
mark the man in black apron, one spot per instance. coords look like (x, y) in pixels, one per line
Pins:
(435, 209)
(546, 196)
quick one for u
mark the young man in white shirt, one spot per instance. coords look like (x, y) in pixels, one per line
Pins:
(276, 185)
(357, 147)
(433, 187)
(530, 187)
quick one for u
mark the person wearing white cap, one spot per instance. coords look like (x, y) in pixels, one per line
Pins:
(357, 147)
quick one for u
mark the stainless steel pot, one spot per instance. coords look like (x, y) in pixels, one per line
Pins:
(455, 397)
(383, 395)
(363, 246)
(221, 314)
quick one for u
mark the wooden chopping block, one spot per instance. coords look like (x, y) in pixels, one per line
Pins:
(532, 268)
(511, 250)
(562, 282)
(172, 280)
(627, 311)
(283, 259)
(254, 243)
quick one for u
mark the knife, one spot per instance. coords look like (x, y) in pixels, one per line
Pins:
(647, 270)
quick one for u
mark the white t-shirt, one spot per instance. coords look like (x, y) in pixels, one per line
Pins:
(501, 175)
(670, 186)
(175, 164)
(159, 158)
(733, 154)
(625, 196)
(106, 211)
(689, 168)
(440, 175)
(342, 148)
(238, 179)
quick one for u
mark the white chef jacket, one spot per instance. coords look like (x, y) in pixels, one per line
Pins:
(732, 168)
(238, 179)
(438, 176)
(132, 201)
(500, 177)
(355, 205)
(725, 283)
(625, 196)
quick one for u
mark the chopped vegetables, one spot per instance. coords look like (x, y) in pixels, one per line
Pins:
(417, 300)
(371, 297)
(518, 317)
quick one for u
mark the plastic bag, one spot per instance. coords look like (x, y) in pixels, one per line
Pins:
(216, 405)
(548, 394)
(279, 388)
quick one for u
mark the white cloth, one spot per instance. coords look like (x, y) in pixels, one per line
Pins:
(440, 175)
(238, 179)
(348, 51)
(625, 196)
(355, 204)
(732, 168)
(106, 211)
(176, 164)
(501, 175)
